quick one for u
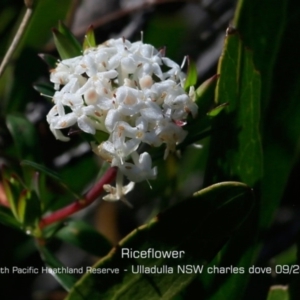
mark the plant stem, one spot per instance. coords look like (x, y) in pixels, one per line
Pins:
(17, 37)
(74, 207)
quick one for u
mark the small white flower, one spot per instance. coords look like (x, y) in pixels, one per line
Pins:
(118, 192)
(62, 74)
(130, 91)
(141, 169)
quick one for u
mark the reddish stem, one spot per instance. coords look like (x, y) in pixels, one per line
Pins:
(74, 207)
(3, 198)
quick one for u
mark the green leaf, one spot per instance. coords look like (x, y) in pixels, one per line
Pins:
(62, 28)
(84, 236)
(13, 187)
(50, 60)
(192, 76)
(44, 88)
(210, 218)
(272, 41)
(24, 135)
(50, 173)
(287, 257)
(262, 26)
(281, 122)
(236, 154)
(23, 197)
(29, 210)
(23, 203)
(25, 67)
(278, 292)
(89, 39)
(215, 111)
(236, 145)
(75, 179)
(66, 279)
(11, 199)
(205, 94)
(198, 128)
(41, 168)
(65, 44)
(46, 14)
(7, 219)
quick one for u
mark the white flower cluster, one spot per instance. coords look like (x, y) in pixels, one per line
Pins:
(128, 90)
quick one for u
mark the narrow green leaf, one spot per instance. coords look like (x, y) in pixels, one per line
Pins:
(192, 75)
(44, 89)
(205, 94)
(7, 219)
(195, 135)
(272, 41)
(287, 257)
(45, 15)
(84, 236)
(262, 26)
(62, 28)
(64, 45)
(29, 210)
(24, 135)
(60, 272)
(278, 292)
(49, 173)
(75, 179)
(23, 203)
(41, 168)
(215, 111)
(10, 198)
(89, 39)
(23, 197)
(198, 128)
(50, 60)
(281, 120)
(12, 189)
(237, 142)
(49, 231)
(236, 154)
(210, 218)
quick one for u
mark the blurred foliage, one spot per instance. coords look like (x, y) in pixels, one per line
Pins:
(248, 125)
(200, 237)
